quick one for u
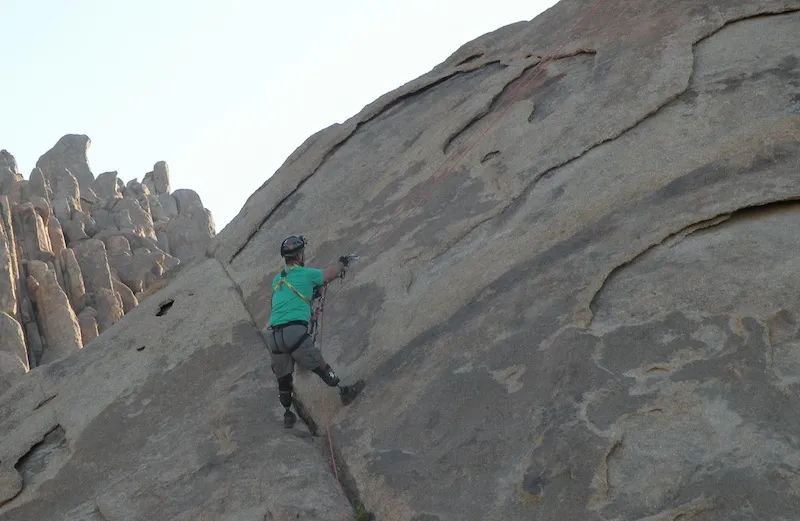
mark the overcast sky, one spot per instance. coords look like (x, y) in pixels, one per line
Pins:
(223, 91)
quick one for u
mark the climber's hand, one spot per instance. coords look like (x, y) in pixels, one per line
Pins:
(345, 259)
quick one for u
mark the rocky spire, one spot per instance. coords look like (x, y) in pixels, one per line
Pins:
(78, 252)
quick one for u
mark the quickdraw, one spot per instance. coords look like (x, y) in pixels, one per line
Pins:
(316, 311)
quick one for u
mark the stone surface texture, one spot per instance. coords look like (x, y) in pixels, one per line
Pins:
(576, 298)
(66, 223)
(162, 417)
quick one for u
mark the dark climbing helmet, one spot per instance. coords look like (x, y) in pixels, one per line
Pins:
(291, 246)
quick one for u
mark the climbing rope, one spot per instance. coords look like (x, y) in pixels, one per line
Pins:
(327, 414)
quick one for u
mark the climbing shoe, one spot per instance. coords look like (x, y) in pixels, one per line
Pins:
(348, 393)
(289, 419)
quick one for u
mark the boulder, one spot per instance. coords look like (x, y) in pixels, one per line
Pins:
(161, 180)
(132, 267)
(87, 319)
(42, 207)
(70, 153)
(110, 308)
(55, 316)
(73, 279)
(106, 187)
(93, 261)
(13, 351)
(188, 201)
(125, 294)
(157, 211)
(188, 235)
(129, 215)
(33, 233)
(38, 184)
(8, 180)
(8, 279)
(169, 204)
(7, 160)
(67, 190)
(56, 235)
(74, 232)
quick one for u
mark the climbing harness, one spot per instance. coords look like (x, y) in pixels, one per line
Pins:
(279, 329)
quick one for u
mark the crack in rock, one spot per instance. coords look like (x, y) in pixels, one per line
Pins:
(584, 314)
(602, 478)
(387, 105)
(514, 84)
(549, 172)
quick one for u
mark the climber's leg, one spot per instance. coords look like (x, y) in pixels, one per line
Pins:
(283, 367)
(310, 357)
(285, 393)
(325, 372)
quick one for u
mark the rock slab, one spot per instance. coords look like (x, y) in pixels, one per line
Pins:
(577, 293)
(195, 446)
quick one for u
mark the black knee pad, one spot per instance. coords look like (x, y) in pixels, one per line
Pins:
(325, 372)
(285, 388)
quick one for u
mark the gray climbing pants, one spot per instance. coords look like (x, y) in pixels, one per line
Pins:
(289, 345)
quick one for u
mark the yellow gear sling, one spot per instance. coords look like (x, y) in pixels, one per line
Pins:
(282, 280)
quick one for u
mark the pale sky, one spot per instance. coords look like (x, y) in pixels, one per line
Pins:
(223, 90)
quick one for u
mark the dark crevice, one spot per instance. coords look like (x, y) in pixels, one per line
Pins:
(348, 483)
(615, 448)
(490, 155)
(164, 308)
(344, 140)
(469, 59)
(44, 402)
(35, 460)
(305, 416)
(346, 479)
(350, 487)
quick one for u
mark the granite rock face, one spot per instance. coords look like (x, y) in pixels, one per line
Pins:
(576, 299)
(578, 288)
(92, 243)
(162, 417)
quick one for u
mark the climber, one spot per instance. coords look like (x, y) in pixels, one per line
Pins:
(288, 338)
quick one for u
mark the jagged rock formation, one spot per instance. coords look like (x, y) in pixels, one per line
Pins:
(76, 253)
(576, 301)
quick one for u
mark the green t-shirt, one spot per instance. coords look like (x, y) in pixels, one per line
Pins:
(286, 304)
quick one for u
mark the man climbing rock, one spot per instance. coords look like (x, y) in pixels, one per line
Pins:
(288, 337)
